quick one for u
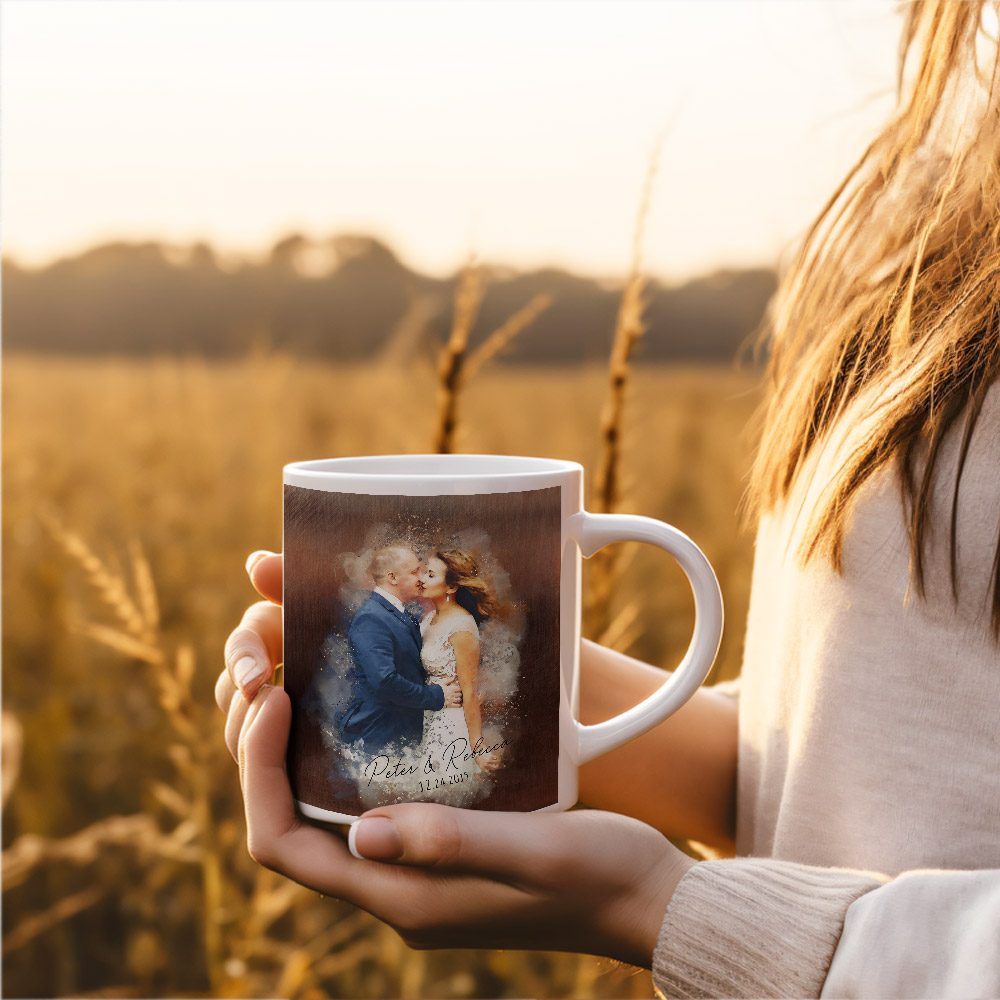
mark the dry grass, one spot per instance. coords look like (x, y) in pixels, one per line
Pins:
(125, 870)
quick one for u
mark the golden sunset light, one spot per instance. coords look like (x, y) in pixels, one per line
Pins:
(500, 498)
(521, 130)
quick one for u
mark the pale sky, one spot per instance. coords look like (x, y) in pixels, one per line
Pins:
(521, 129)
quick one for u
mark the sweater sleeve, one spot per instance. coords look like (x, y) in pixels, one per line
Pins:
(924, 934)
(764, 928)
(753, 927)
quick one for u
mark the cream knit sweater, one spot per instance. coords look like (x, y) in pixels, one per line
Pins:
(868, 840)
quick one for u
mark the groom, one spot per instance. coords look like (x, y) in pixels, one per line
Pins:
(390, 694)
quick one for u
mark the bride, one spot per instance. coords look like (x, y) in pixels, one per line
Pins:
(462, 601)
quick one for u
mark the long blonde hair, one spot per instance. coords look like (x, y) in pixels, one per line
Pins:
(896, 289)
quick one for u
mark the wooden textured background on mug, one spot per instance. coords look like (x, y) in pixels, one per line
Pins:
(524, 529)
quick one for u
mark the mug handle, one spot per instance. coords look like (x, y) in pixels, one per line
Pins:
(593, 532)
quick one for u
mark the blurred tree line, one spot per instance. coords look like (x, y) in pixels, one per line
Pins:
(348, 297)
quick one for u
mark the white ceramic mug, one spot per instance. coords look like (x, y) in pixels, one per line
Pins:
(478, 559)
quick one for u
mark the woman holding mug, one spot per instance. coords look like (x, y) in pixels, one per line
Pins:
(854, 770)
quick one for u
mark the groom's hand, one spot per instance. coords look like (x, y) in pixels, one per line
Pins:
(452, 694)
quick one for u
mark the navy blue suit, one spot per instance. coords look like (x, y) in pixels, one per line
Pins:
(390, 695)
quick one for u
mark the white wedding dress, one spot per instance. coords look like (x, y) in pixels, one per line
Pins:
(446, 733)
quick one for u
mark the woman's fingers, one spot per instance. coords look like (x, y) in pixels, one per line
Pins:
(454, 877)
(224, 691)
(583, 881)
(266, 571)
(262, 746)
(513, 847)
(254, 649)
(440, 876)
(257, 738)
(237, 710)
(276, 837)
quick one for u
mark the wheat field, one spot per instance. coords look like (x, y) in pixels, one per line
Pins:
(133, 492)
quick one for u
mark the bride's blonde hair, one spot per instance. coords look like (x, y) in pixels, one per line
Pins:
(896, 289)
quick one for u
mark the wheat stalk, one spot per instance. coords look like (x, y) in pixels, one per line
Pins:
(12, 735)
(172, 675)
(110, 586)
(349, 958)
(455, 364)
(629, 329)
(148, 602)
(30, 927)
(468, 298)
(273, 897)
(506, 333)
(120, 642)
(410, 334)
(81, 848)
(623, 629)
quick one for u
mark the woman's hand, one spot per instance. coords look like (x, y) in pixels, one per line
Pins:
(581, 881)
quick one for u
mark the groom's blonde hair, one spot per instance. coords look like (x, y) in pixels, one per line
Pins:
(388, 560)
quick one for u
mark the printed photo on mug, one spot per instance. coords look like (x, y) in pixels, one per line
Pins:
(422, 648)
(432, 627)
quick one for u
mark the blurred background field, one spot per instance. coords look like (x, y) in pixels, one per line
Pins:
(125, 867)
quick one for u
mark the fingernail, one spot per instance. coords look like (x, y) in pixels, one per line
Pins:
(255, 557)
(246, 670)
(380, 840)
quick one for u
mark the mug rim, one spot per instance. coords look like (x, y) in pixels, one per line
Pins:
(432, 466)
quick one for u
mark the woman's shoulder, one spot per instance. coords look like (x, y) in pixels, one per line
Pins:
(461, 621)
